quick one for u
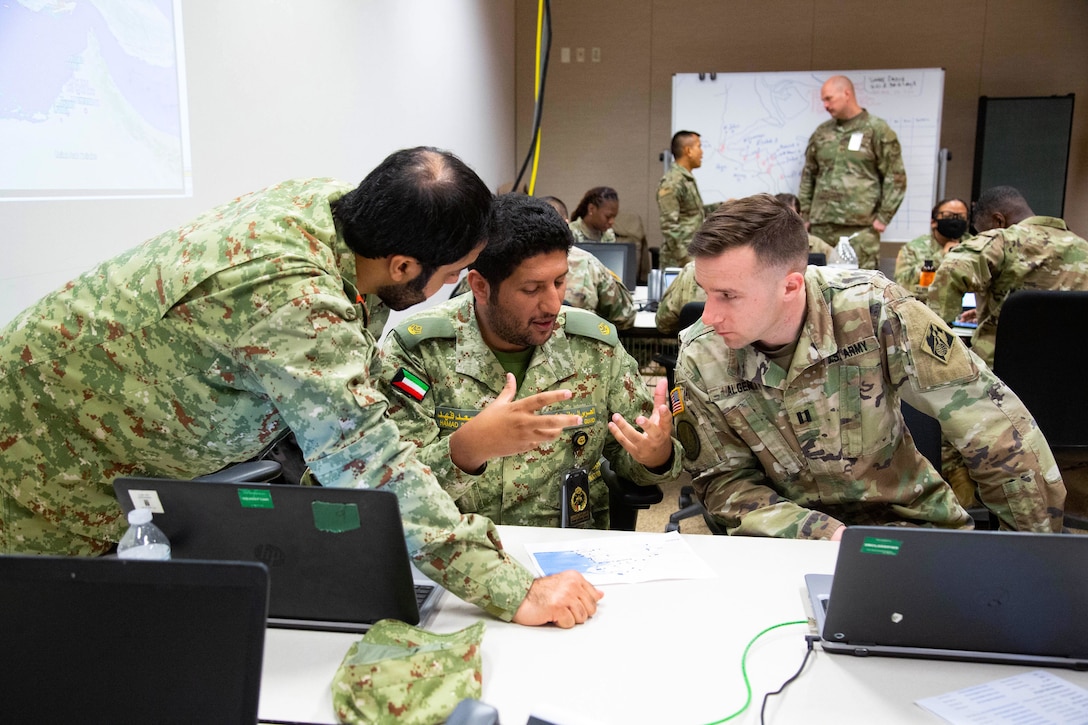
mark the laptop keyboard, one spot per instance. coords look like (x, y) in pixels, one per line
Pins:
(422, 592)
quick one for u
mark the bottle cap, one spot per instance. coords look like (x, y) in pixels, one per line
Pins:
(139, 516)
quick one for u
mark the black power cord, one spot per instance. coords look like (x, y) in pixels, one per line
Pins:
(809, 639)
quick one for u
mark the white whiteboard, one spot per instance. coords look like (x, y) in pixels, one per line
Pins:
(755, 128)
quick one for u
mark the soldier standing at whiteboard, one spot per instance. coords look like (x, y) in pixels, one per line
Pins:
(678, 200)
(854, 180)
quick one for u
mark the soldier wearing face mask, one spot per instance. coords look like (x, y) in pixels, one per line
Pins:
(947, 226)
(1015, 249)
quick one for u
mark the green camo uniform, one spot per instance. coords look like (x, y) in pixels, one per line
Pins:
(682, 291)
(443, 347)
(590, 286)
(593, 286)
(199, 348)
(909, 261)
(843, 191)
(682, 213)
(583, 233)
(797, 453)
(1038, 253)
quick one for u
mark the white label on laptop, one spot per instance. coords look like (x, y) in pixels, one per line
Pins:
(146, 500)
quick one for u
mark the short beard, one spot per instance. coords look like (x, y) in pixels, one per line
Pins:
(403, 296)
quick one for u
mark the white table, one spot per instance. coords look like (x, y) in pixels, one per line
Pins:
(661, 652)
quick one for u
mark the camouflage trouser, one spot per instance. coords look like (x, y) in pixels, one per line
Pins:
(673, 253)
(866, 243)
(23, 532)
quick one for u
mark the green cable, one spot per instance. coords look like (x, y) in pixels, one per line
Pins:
(744, 669)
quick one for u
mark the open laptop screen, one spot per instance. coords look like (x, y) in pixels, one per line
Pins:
(112, 641)
(620, 257)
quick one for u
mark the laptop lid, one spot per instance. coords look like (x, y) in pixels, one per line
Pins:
(984, 596)
(336, 556)
(103, 640)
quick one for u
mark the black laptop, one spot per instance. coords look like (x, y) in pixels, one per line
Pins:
(337, 556)
(105, 640)
(980, 596)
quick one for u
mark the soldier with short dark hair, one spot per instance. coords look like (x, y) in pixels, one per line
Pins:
(678, 199)
(789, 390)
(202, 346)
(484, 365)
(1014, 249)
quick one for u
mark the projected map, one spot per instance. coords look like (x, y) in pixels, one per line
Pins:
(92, 99)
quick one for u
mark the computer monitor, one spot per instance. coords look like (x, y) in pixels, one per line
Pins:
(818, 259)
(669, 276)
(620, 257)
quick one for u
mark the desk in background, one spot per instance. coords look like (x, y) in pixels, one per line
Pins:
(661, 652)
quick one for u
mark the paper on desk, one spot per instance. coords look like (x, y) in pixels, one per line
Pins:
(1037, 697)
(621, 559)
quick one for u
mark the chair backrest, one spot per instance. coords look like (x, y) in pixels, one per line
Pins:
(690, 314)
(1033, 325)
(925, 431)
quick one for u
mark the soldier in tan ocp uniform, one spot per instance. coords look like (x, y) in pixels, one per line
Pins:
(678, 199)
(854, 179)
(788, 401)
(482, 364)
(1015, 249)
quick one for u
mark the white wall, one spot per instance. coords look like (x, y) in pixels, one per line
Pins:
(288, 88)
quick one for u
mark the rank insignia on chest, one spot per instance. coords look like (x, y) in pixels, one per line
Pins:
(938, 343)
(676, 400)
(409, 384)
(579, 440)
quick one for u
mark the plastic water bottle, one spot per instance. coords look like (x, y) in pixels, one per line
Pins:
(143, 540)
(847, 256)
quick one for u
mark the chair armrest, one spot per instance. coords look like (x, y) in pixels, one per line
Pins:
(247, 472)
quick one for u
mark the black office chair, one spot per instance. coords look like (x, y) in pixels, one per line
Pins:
(626, 498)
(925, 431)
(245, 472)
(1032, 323)
(689, 315)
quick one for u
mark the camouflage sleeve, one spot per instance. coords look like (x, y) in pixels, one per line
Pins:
(893, 175)
(1000, 442)
(908, 266)
(667, 317)
(614, 302)
(312, 359)
(629, 396)
(728, 477)
(808, 181)
(415, 419)
(964, 269)
(669, 207)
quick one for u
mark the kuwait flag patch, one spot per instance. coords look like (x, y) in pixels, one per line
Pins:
(410, 384)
